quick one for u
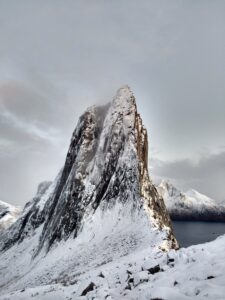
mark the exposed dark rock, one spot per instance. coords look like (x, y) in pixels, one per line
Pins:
(131, 280)
(154, 270)
(128, 287)
(88, 289)
(101, 275)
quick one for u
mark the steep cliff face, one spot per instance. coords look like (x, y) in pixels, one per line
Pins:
(107, 164)
(153, 200)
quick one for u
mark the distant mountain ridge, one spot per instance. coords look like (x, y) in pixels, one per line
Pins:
(8, 214)
(190, 205)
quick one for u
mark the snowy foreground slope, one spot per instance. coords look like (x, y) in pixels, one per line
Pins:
(8, 215)
(190, 205)
(101, 210)
(196, 272)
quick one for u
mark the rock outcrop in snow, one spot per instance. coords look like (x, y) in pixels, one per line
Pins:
(190, 205)
(8, 215)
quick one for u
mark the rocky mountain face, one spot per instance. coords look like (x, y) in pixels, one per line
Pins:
(107, 163)
(102, 204)
(190, 205)
(8, 215)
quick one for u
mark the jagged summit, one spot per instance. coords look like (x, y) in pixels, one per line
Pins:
(123, 100)
(124, 93)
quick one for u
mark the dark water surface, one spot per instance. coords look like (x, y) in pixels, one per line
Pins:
(191, 233)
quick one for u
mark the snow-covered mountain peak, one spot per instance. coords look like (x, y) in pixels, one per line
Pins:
(167, 184)
(167, 189)
(124, 92)
(102, 204)
(190, 205)
(124, 101)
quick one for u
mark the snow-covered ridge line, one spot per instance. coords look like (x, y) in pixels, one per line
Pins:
(190, 205)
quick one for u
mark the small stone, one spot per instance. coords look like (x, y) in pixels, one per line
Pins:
(101, 275)
(154, 270)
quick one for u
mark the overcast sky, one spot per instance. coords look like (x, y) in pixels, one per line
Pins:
(58, 57)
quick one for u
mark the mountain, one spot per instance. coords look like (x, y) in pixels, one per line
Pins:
(190, 205)
(8, 215)
(101, 209)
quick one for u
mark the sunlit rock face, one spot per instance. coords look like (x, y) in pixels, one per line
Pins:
(106, 166)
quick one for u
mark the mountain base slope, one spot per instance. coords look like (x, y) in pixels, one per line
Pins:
(196, 272)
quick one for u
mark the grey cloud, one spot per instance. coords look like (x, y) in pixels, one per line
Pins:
(49, 134)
